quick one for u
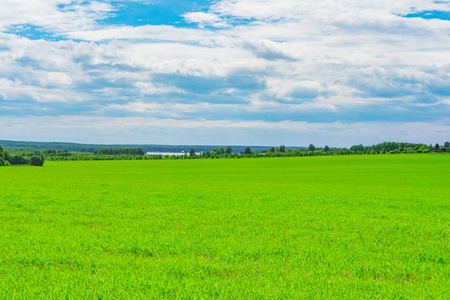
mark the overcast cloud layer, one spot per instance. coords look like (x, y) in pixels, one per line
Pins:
(292, 72)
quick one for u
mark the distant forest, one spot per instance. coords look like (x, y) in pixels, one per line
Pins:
(31, 156)
(74, 147)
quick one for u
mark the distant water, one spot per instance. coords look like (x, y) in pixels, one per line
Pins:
(170, 153)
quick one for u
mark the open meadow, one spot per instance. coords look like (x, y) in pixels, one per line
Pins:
(313, 227)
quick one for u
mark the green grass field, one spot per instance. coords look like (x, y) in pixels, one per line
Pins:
(374, 227)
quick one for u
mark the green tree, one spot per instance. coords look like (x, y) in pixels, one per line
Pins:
(192, 152)
(37, 161)
(356, 148)
(19, 160)
(282, 148)
(248, 150)
(272, 149)
(447, 144)
(2, 152)
(326, 148)
(228, 150)
(311, 147)
(436, 147)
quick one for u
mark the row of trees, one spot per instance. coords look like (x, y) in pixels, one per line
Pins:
(65, 155)
(119, 151)
(90, 148)
(446, 147)
(382, 148)
(391, 147)
(36, 157)
(7, 159)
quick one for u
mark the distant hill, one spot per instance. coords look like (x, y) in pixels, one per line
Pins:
(74, 147)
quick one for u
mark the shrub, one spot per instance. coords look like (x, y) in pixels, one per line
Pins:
(19, 160)
(4, 162)
(37, 161)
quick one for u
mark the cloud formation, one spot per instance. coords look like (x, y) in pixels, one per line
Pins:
(357, 64)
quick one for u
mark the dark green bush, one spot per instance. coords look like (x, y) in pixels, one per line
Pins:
(37, 161)
(4, 162)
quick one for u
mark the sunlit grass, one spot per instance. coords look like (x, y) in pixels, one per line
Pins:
(313, 227)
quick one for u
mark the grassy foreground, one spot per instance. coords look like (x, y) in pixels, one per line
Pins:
(313, 227)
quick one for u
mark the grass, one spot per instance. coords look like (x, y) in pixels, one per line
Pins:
(313, 227)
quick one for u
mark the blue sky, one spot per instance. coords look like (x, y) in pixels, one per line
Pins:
(251, 72)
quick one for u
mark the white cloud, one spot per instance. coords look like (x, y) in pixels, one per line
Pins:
(150, 88)
(56, 15)
(336, 59)
(323, 9)
(270, 50)
(205, 19)
(148, 32)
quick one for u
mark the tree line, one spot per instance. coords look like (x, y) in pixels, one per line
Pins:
(74, 147)
(37, 157)
(281, 151)
(119, 151)
(8, 159)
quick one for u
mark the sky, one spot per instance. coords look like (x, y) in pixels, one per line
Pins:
(228, 72)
